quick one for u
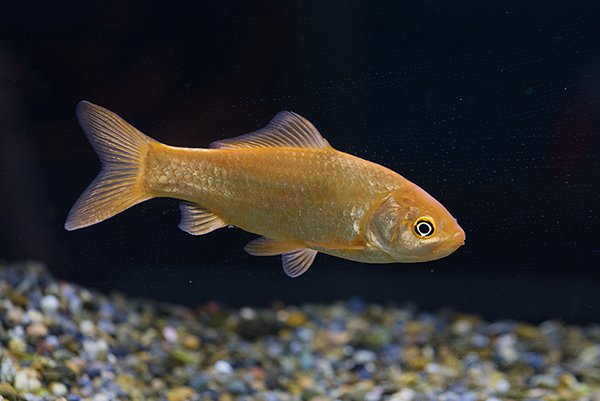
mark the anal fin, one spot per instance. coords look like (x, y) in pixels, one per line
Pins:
(197, 221)
(297, 262)
(296, 258)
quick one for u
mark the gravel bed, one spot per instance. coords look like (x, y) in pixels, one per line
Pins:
(60, 341)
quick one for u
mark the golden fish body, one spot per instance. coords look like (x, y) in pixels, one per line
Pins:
(300, 196)
(283, 182)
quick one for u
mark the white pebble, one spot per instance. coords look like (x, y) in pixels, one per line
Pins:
(101, 397)
(405, 394)
(26, 380)
(375, 394)
(15, 314)
(7, 370)
(433, 368)
(363, 356)
(589, 356)
(502, 386)
(94, 348)
(34, 316)
(325, 368)
(170, 334)
(247, 313)
(543, 380)
(505, 348)
(50, 304)
(87, 327)
(462, 327)
(223, 367)
(58, 389)
(75, 305)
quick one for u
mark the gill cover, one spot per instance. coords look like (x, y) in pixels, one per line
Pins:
(384, 224)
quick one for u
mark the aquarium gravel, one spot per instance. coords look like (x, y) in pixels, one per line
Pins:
(60, 341)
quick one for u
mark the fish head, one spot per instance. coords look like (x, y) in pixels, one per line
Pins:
(411, 226)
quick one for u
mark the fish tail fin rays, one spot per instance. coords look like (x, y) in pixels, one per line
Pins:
(122, 149)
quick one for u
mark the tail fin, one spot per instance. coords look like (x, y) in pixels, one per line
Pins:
(122, 150)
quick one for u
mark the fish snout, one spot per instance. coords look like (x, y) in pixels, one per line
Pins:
(459, 237)
(451, 243)
(454, 234)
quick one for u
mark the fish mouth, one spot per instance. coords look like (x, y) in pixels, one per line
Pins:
(458, 237)
(451, 244)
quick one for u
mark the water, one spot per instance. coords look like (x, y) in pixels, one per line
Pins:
(491, 108)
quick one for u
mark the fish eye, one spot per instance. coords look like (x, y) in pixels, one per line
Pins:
(424, 227)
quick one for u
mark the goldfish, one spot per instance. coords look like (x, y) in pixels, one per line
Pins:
(284, 182)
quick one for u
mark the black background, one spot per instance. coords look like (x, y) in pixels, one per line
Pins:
(492, 107)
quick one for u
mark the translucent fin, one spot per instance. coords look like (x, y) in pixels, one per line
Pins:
(197, 221)
(286, 130)
(122, 149)
(268, 247)
(297, 262)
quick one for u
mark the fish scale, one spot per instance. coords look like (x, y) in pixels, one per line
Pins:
(296, 195)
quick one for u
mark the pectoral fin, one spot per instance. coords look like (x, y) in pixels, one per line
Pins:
(197, 221)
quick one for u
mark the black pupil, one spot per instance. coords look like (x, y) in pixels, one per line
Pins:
(424, 228)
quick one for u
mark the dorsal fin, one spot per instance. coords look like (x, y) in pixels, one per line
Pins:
(286, 130)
